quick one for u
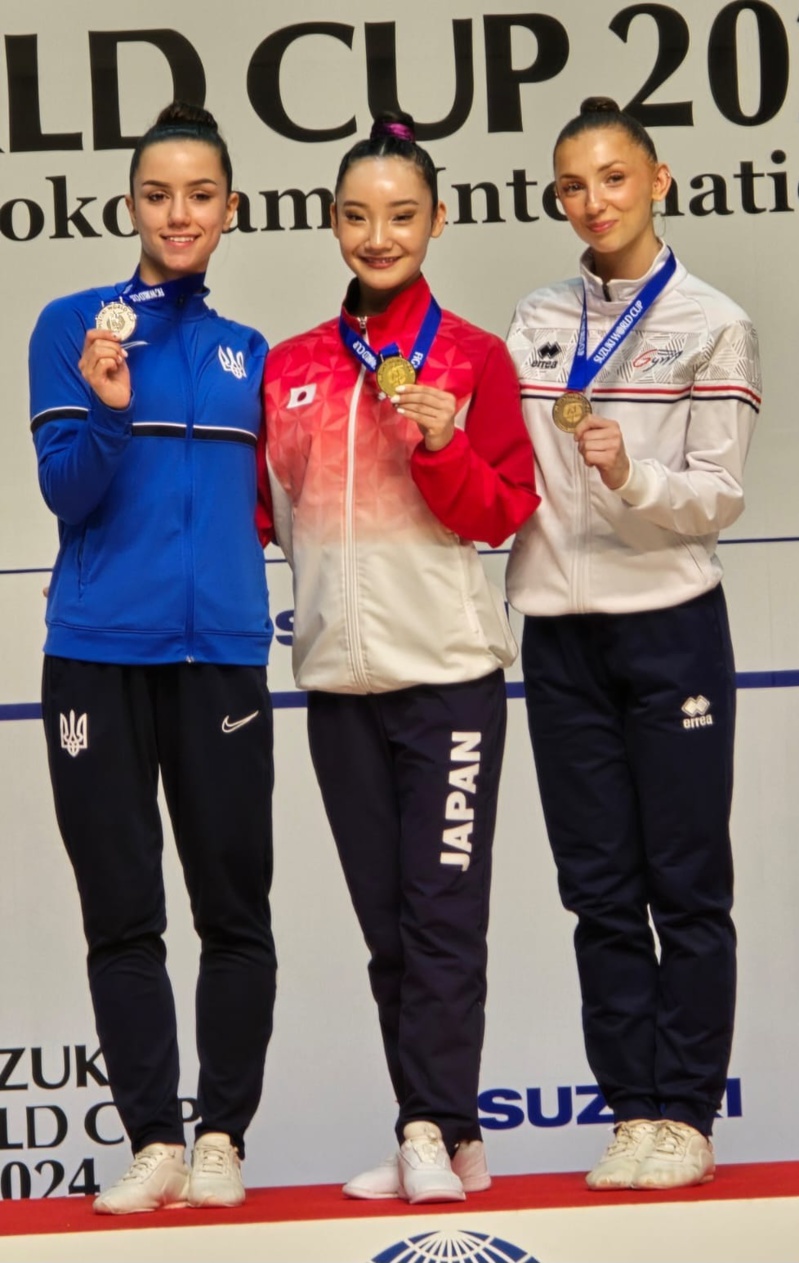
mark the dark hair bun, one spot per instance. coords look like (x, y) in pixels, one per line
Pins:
(599, 105)
(181, 114)
(394, 123)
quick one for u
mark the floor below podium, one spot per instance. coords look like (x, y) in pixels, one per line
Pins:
(749, 1213)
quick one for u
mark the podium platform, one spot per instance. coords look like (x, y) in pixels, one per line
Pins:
(748, 1214)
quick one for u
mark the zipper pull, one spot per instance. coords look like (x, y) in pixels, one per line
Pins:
(362, 323)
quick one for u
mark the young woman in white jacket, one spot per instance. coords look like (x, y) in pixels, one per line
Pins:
(640, 386)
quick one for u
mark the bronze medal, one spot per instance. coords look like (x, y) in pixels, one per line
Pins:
(116, 318)
(394, 371)
(569, 410)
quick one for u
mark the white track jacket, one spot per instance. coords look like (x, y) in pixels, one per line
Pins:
(685, 388)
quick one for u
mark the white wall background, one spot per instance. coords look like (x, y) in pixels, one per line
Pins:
(327, 1107)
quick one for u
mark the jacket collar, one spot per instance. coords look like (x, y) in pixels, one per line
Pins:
(622, 292)
(187, 294)
(402, 318)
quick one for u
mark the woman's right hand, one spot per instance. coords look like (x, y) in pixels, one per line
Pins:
(600, 442)
(104, 366)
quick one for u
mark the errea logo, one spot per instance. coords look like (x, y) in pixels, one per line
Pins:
(545, 356)
(697, 713)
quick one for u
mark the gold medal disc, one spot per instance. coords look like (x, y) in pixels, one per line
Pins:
(393, 372)
(116, 318)
(569, 410)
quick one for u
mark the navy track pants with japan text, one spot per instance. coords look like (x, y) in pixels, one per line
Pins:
(409, 781)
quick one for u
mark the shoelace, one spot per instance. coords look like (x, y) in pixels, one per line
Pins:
(143, 1165)
(670, 1140)
(211, 1159)
(426, 1147)
(627, 1137)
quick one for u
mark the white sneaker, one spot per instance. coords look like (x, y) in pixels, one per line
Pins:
(631, 1144)
(425, 1171)
(215, 1172)
(681, 1156)
(469, 1164)
(376, 1183)
(157, 1179)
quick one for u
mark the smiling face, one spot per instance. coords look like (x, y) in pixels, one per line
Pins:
(606, 184)
(181, 205)
(384, 218)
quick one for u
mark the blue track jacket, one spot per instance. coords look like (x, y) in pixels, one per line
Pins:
(159, 560)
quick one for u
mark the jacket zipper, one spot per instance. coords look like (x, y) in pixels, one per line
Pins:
(188, 503)
(351, 607)
(582, 529)
(580, 559)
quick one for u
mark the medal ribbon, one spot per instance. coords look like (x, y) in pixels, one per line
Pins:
(370, 359)
(137, 291)
(584, 367)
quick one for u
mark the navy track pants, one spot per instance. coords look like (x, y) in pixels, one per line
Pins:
(208, 729)
(409, 781)
(632, 719)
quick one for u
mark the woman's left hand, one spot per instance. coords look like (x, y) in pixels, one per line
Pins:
(432, 410)
(601, 444)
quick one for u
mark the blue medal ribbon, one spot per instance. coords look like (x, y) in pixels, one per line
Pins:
(137, 291)
(421, 349)
(584, 367)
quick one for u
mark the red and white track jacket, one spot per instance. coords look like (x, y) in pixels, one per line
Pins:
(685, 389)
(389, 589)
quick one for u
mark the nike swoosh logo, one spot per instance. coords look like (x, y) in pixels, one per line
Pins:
(227, 726)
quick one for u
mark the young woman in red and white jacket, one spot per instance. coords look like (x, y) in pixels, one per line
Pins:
(395, 440)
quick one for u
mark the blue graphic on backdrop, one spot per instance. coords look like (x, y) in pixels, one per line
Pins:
(502, 1109)
(454, 1247)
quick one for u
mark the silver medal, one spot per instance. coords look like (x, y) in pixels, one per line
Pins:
(117, 318)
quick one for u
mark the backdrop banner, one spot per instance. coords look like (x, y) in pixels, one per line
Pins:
(292, 87)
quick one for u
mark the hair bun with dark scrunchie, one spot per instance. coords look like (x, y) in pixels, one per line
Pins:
(177, 121)
(396, 124)
(181, 114)
(601, 112)
(599, 105)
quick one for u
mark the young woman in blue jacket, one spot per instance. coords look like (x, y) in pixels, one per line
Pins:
(145, 407)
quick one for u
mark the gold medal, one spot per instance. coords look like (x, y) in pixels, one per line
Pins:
(116, 318)
(569, 410)
(394, 371)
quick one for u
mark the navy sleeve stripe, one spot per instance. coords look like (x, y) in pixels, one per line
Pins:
(70, 412)
(225, 434)
(172, 430)
(158, 429)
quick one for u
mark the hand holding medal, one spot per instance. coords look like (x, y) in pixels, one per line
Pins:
(103, 362)
(600, 442)
(433, 411)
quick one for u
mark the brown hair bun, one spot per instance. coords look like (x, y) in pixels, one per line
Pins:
(599, 105)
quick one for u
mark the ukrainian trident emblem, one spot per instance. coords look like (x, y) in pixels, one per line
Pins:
(74, 733)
